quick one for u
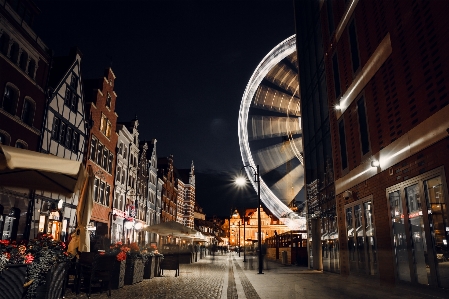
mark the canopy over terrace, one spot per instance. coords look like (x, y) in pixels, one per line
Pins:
(23, 168)
(171, 228)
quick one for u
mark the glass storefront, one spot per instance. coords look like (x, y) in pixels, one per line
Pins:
(330, 247)
(420, 230)
(361, 237)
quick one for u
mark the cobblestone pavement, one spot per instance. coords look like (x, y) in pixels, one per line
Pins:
(203, 279)
(227, 277)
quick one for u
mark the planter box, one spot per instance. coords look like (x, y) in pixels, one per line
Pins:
(157, 265)
(54, 283)
(148, 271)
(185, 257)
(134, 270)
(12, 279)
(118, 277)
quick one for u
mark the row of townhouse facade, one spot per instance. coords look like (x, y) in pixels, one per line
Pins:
(47, 106)
(373, 78)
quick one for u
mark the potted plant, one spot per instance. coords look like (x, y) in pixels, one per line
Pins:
(118, 277)
(135, 264)
(148, 271)
(47, 263)
(13, 267)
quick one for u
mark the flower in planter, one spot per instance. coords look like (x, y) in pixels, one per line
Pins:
(121, 256)
(42, 254)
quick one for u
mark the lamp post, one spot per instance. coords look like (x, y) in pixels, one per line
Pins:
(239, 238)
(241, 181)
(244, 238)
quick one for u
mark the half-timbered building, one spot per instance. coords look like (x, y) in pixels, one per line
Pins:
(63, 135)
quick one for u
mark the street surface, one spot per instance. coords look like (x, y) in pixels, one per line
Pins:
(227, 277)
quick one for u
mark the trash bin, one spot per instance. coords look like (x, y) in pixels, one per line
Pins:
(284, 257)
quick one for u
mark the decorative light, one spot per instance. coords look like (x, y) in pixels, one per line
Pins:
(138, 225)
(128, 224)
(375, 163)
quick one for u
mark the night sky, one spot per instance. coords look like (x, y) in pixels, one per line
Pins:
(182, 68)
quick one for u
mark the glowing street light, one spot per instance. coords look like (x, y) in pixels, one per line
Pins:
(241, 181)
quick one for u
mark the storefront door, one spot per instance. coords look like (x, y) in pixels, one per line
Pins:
(420, 230)
(361, 237)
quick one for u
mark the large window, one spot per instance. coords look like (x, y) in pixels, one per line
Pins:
(336, 76)
(102, 192)
(4, 138)
(71, 96)
(354, 47)
(330, 16)
(65, 135)
(93, 149)
(105, 126)
(10, 97)
(344, 157)
(28, 111)
(363, 125)
(101, 155)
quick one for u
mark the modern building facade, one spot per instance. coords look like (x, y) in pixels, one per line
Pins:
(64, 135)
(101, 99)
(381, 65)
(25, 65)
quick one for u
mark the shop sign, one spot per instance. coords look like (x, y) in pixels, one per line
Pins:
(54, 216)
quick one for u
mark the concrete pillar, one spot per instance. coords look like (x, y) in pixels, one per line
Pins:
(316, 244)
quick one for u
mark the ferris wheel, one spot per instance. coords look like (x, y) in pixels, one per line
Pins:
(270, 133)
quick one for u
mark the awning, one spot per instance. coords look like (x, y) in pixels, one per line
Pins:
(23, 168)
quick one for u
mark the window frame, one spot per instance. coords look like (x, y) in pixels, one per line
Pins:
(30, 112)
(15, 98)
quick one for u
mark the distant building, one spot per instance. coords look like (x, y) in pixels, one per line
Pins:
(124, 209)
(24, 71)
(153, 204)
(186, 196)
(248, 231)
(64, 135)
(100, 101)
(198, 212)
(169, 190)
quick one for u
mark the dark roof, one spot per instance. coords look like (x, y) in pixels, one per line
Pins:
(90, 88)
(61, 65)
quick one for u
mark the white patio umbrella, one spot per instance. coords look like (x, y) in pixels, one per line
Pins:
(171, 228)
(80, 238)
(36, 171)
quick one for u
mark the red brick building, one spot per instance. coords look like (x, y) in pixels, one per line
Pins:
(24, 68)
(169, 190)
(374, 79)
(102, 143)
(24, 65)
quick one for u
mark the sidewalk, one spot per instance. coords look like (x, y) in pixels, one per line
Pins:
(288, 281)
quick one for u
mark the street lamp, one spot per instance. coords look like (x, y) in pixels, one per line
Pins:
(242, 181)
(244, 238)
(239, 238)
